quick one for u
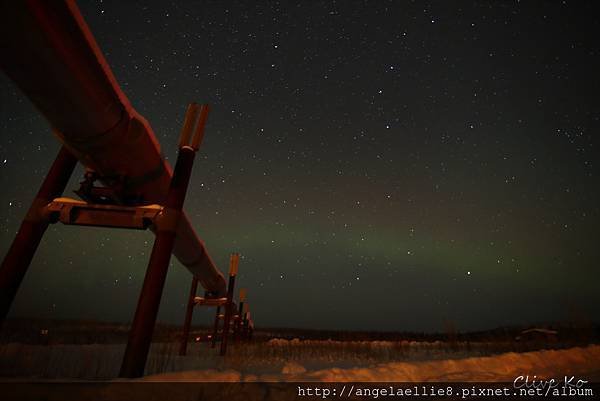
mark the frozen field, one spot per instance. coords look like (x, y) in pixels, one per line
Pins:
(310, 360)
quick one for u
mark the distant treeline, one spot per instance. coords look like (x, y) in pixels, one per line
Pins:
(46, 331)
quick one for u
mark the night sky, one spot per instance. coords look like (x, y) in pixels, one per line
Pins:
(379, 165)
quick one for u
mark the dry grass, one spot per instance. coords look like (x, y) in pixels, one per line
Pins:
(92, 350)
(102, 361)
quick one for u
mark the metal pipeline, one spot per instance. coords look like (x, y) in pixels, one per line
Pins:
(52, 56)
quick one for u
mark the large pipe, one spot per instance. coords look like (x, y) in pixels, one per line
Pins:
(51, 55)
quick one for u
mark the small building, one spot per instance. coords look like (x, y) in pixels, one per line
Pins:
(537, 334)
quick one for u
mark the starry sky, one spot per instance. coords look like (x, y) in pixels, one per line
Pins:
(379, 165)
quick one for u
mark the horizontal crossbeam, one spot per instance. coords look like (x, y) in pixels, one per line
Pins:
(75, 212)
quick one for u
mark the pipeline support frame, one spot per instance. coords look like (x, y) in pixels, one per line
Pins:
(48, 207)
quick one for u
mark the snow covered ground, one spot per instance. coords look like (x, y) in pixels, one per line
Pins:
(581, 362)
(310, 360)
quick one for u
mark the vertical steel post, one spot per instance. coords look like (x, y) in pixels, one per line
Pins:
(33, 227)
(250, 325)
(188, 316)
(234, 260)
(215, 328)
(140, 336)
(238, 321)
(245, 322)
